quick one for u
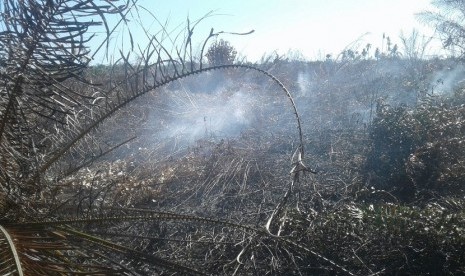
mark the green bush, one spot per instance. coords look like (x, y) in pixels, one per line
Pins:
(418, 151)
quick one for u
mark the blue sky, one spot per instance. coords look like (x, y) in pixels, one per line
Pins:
(312, 27)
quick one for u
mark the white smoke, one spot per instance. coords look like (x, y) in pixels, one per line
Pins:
(304, 83)
(194, 116)
(447, 80)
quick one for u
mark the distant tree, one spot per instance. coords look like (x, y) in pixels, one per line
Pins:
(221, 52)
(449, 23)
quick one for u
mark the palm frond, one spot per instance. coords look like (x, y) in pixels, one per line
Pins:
(10, 258)
(53, 246)
(37, 251)
(43, 45)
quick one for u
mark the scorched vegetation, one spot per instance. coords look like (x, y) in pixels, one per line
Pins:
(170, 161)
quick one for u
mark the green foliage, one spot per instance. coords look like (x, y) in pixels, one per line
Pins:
(394, 138)
(418, 150)
(384, 238)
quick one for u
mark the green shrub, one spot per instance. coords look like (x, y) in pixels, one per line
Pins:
(418, 151)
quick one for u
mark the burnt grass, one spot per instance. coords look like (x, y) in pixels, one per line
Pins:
(386, 138)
